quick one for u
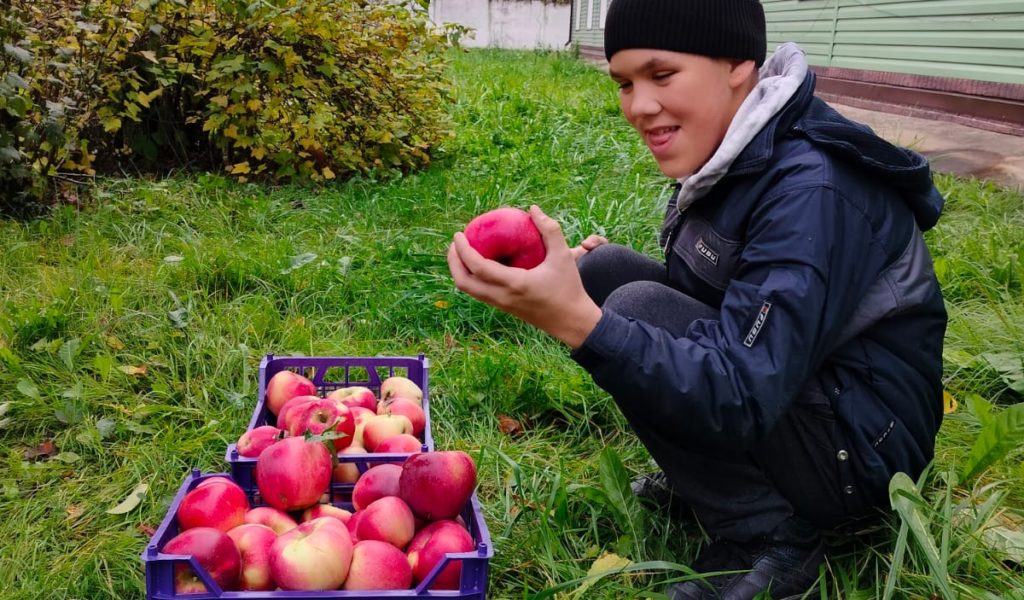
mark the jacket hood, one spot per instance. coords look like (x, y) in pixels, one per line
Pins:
(782, 103)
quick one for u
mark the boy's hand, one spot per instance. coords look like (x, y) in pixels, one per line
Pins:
(592, 241)
(549, 296)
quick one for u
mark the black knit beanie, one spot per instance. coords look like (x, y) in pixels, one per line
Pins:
(716, 28)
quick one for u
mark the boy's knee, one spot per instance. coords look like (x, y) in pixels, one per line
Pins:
(600, 259)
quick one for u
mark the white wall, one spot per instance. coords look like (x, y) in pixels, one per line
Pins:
(520, 24)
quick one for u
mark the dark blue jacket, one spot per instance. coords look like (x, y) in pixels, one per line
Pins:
(811, 246)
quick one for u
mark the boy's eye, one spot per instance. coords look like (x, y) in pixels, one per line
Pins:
(625, 85)
(661, 75)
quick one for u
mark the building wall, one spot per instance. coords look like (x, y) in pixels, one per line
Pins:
(967, 39)
(517, 24)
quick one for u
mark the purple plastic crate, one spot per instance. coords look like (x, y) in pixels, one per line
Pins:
(160, 567)
(329, 373)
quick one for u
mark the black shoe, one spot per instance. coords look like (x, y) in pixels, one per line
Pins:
(718, 556)
(786, 571)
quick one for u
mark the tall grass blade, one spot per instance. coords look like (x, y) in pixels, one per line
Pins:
(907, 502)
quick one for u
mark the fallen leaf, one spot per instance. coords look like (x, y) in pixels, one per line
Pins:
(509, 426)
(44, 450)
(605, 564)
(130, 370)
(441, 304)
(133, 500)
(67, 457)
(949, 403)
(74, 511)
(68, 241)
(145, 530)
(114, 343)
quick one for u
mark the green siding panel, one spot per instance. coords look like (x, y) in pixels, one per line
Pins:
(858, 10)
(940, 40)
(959, 23)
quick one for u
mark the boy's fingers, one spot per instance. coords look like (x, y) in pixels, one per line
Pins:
(550, 230)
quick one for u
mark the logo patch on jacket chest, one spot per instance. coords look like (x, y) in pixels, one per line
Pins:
(705, 251)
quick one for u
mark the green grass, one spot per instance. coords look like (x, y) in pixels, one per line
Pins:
(195, 278)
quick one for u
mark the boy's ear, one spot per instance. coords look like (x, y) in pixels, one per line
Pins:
(740, 72)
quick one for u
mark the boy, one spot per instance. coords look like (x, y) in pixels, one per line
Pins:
(784, 361)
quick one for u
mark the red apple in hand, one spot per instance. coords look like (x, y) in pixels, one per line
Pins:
(284, 386)
(430, 545)
(507, 235)
(216, 502)
(378, 565)
(437, 485)
(253, 543)
(314, 556)
(293, 473)
(214, 551)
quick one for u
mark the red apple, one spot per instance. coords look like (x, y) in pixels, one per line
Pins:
(322, 415)
(216, 502)
(284, 386)
(293, 473)
(401, 443)
(361, 416)
(253, 542)
(356, 395)
(348, 472)
(257, 440)
(380, 427)
(387, 519)
(377, 482)
(404, 406)
(352, 524)
(437, 485)
(507, 235)
(213, 550)
(278, 520)
(401, 387)
(326, 510)
(314, 556)
(292, 408)
(378, 565)
(429, 547)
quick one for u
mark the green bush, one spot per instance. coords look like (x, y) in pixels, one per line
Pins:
(280, 90)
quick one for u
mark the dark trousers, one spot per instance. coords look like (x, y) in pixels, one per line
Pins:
(790, 480)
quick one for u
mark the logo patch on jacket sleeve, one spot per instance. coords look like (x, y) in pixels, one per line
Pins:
(755, 329)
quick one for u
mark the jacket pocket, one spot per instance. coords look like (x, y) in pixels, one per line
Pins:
(710, 256)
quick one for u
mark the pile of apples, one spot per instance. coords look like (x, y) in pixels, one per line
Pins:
(405, 518)
(358, 421)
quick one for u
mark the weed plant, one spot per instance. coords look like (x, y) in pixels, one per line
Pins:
(132, 329)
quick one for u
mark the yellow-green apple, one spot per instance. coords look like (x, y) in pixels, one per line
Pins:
(402, 443)
(507, 235)
(216, 502)
(213, 550)
(404, 406)
(293, 473)
(399, 386)
(291, 408)
(437, 485)
(326, 510)
(378, 565)
(429, 547)
(348, 472)
(284, 386)
(322, 415)
(257, 440)
(380, 427)
(355, 395)
(377, 482)
(316, 555)
(253, 542)
(387, 519)
(278, 520)
(361, 416)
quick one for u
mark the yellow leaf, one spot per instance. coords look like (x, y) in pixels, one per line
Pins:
(115, 343)
(221, 101)
(605, 564)
(149, 55)
(441, 304)
(259, 152)
(949, 403)
(231, 131)
(130, 370)
(254, 104)
(240, 168)
(328, 173)
(144, 99)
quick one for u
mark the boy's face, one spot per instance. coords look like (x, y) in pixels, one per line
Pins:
(681, 104)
